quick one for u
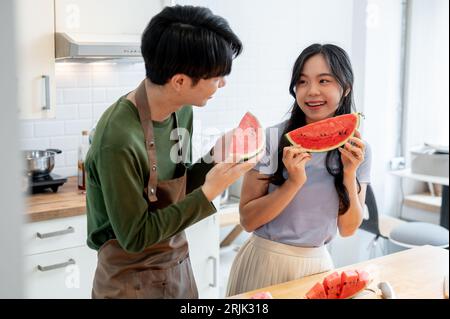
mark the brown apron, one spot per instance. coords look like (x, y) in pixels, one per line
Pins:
(162, 270)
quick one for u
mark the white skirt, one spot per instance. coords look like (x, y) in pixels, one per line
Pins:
(261, 263)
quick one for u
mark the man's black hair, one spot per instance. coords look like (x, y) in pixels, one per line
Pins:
(188, 40)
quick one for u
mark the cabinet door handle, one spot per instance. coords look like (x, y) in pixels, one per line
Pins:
(69, 230)
(46, 92)
(214, 262)
(56, 266)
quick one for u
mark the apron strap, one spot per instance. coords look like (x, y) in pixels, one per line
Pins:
(147, 126)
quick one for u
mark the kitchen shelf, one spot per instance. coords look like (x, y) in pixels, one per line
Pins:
(424, 201)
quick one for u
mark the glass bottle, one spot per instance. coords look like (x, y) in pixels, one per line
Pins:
(82, 152)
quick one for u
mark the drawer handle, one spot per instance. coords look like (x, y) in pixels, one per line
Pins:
(46, 92)
(56, 266)
(69, 230)
(214, 263)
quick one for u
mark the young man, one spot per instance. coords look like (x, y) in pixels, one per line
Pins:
(139, 199)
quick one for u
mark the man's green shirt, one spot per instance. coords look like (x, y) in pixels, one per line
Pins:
(117, 168)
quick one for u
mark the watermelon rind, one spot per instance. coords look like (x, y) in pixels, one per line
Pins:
(331, 147)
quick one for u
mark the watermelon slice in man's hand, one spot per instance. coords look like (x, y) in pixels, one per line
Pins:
(248, 139)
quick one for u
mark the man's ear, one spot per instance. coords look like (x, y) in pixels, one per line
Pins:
(178, 81)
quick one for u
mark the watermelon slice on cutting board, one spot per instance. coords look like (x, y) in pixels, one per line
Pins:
(248, 139)
(325, 135)
(262, 295)
(340, 286)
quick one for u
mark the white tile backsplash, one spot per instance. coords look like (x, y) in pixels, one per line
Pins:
(59, 97)
(84, 79)
(77, 126)
(106, 79)
(98, 95)
(65, 143)
(77, 95)
(67, 112)
(35, 143)
(112, 94)
(60, 160)
(85, 111)
(64, 80)
(49, 128)
(71, 158)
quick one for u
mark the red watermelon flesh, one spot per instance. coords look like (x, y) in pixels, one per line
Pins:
(262, 295)
(349, 283)
(332, 285)
(363, 279)
(248, 138)
(325, 135)
(317, 292)
(340, 286)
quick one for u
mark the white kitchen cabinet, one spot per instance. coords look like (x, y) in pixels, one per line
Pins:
(203, 238)
(35, 58)
(105, 16)
(58, 263)
(61, 274)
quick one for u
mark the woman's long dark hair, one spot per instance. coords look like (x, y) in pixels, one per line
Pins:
(341, 69)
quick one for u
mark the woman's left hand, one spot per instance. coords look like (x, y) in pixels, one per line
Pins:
(352, 154)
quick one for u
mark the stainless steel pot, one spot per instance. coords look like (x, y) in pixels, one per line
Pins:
(38, 162)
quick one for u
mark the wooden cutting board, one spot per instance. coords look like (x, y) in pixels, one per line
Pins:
(416, 273)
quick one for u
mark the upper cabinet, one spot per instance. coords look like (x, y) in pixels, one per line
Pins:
(35, 58)
(105, 16)
(36, 24)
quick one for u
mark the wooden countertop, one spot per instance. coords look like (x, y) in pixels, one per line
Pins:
(68, 201)
(416, 273)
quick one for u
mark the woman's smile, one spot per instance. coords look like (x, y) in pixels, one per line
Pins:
(314, 105)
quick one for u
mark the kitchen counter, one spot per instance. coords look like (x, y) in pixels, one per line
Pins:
(68, 201)
(417, 273)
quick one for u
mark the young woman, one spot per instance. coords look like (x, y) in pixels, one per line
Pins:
(295, 209)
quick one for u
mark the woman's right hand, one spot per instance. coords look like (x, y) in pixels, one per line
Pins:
(295, 159)
(223, 175)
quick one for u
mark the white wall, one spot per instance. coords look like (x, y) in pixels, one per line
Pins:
(11, 209)
(428, 94)
(382, 96)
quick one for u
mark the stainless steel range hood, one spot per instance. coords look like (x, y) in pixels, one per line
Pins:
(97, 47)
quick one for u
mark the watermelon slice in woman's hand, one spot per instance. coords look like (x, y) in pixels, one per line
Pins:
(340, 286)
(325, 135)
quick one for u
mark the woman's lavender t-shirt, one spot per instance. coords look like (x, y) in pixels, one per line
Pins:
(310, 219)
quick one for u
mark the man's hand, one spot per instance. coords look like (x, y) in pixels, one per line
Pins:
(223, 175)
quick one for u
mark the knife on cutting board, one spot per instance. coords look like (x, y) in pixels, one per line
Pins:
(386, 290)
